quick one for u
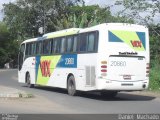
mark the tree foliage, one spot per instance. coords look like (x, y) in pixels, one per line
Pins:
(83, 16)
(86, 16)
(8, 47)
(142, 11)
(25, 17)
(134, 9)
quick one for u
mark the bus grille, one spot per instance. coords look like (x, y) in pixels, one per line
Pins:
(90, 75)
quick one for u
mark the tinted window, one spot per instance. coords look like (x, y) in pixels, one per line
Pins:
(47, 46)
(63, 45)
(22, 48)
(28, 49)
(33, 48)
(91, 42)
(38, 47)
(52, 46)
(83, 42)
(56, 47)
(75, 41)
(70, 44)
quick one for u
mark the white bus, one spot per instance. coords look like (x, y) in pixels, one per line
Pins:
(109, 58)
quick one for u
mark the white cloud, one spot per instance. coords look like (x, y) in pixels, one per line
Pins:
(103, 3)
(100, 2)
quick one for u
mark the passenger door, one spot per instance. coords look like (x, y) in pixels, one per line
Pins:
(21, 56)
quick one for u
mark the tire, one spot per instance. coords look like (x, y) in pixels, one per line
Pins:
(71, 86)
(28, 81)
(109, 94)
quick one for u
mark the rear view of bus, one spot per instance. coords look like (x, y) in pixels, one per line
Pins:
(124, 57)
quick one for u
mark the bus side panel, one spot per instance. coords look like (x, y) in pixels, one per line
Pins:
(86, 72)
(54, 70)
(21, 75)
(28, 67)
(59, 77)
(81, 66)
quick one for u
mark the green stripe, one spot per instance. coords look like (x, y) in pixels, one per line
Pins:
(65, 33)
(127, 37)
(41, 80)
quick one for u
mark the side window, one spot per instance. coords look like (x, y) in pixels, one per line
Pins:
(52, 45)
(56, 47)
(75, 41)
(70, 43)
(26, 52)
(83, 42)
(63, 45)
(28, 49)
(39, 47)
(22, 48)
(91, 42)
(47, 46)
(33, 48)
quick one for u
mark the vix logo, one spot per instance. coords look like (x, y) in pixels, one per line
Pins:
(45, 68)
(136, 43)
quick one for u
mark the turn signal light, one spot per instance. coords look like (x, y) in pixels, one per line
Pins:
(103, 62)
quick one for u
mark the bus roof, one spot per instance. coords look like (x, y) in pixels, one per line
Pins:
(32, 39)
(111, 26)
(125, 24)
(73, 31)
(60, 33)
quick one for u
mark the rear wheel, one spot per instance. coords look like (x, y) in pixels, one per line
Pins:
(28, 81)
(71, 86)
(109, 94)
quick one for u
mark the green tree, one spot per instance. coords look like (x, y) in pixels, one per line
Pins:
(25, 17)
(155, 42)
(8, 47)
(86, 16)
(141, 11)
(134, 9)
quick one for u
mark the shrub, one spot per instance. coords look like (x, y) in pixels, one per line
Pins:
(154, 76)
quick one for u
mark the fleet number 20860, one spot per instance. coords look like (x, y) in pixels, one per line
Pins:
(118, 63)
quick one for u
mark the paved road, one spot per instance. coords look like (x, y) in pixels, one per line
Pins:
(85, 102)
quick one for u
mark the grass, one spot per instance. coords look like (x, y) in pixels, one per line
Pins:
(25, 95)
(155, 77)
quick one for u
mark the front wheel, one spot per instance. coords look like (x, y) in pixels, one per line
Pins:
(71, 86)
(28, 81)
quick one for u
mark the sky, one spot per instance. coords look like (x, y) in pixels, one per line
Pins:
(114, 9)
(1, 6)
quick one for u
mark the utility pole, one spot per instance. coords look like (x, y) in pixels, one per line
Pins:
(44, 20)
